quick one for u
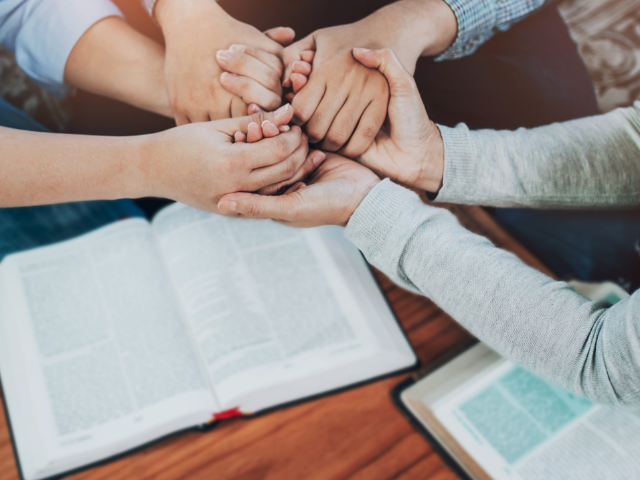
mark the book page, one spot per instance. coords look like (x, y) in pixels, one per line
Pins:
(517, 426)
(263, 307)
(499, 421)
(104, 343)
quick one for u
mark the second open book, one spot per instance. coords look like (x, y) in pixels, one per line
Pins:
(139, 330)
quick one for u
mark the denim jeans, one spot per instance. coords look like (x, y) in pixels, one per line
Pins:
(29, 227)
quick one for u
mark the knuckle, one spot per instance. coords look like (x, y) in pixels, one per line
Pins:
(339, 136)
(253, 210)
(314, 133)
(258, 117)
(368, 131)
(281, 147)
(291, 167)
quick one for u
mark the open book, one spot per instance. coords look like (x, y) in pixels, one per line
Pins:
(495, 421)
(137, 330)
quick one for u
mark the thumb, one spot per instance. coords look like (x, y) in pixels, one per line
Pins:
(258, 206)
(283, 35)
(401, 83)
(280, 117)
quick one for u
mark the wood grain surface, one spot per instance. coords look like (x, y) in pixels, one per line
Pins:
(355, 435)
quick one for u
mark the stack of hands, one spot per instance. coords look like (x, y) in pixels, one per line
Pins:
(360, 106)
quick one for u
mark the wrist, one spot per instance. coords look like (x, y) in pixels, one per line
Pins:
(144, 167)
(415, 28)
(432, 168)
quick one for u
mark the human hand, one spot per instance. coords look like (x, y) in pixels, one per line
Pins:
(194, 31)
(409, 148)
(343, 105)
(333, 193)
(197, 164)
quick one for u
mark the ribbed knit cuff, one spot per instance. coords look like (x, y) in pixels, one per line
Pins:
(476, 20)
(460, 177)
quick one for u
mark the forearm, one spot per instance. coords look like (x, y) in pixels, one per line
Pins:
(112, 59)
(411, 28)
(591, 162)
(542, 324)
(45, 168)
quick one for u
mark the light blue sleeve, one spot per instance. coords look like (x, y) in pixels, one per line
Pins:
(42, 34)
(479, 20)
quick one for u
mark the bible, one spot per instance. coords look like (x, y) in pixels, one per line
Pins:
(142, 329)
(492, 420)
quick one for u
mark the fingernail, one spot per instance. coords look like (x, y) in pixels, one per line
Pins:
(252, 123)
(228, 206)
(266, 121)
(293, 65)
(227, 77)
(318, 158)
(223, 54)
(285, 128)
(237, 48)
(282, 110)
(363, 50)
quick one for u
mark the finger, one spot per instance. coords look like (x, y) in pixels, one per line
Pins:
(181, 119)
(401, 83)
(308, 99)
(240, 137)
(313, 161)
(295, 187)
(271, 151)
(292, 54)
(282, 171)
(244, 64)
(253, 108)
(308, 56)
(283, 35)
(321, 120)
(269, 129)
(345, 123)
(250, 91)
(284, 128)
(259, 206)
(289, 97)
(301, 67)
(254, 133)
(269, 59)
(368, 127)
(282, 116)
(298, 81)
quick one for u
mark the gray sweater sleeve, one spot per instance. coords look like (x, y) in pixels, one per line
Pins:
(588, 163)
(589, 348)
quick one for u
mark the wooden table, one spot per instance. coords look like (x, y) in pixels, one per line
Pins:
(357, 434)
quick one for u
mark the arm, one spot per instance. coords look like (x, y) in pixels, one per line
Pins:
(589, 348)
(42, 34)
(114, 60)
(590, 162)
(194, 164)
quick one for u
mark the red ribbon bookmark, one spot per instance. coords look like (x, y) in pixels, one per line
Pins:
(231, 413)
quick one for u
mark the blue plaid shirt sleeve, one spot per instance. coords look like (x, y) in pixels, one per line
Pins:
(479, 20)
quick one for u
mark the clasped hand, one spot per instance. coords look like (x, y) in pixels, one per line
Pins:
(410, 150)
